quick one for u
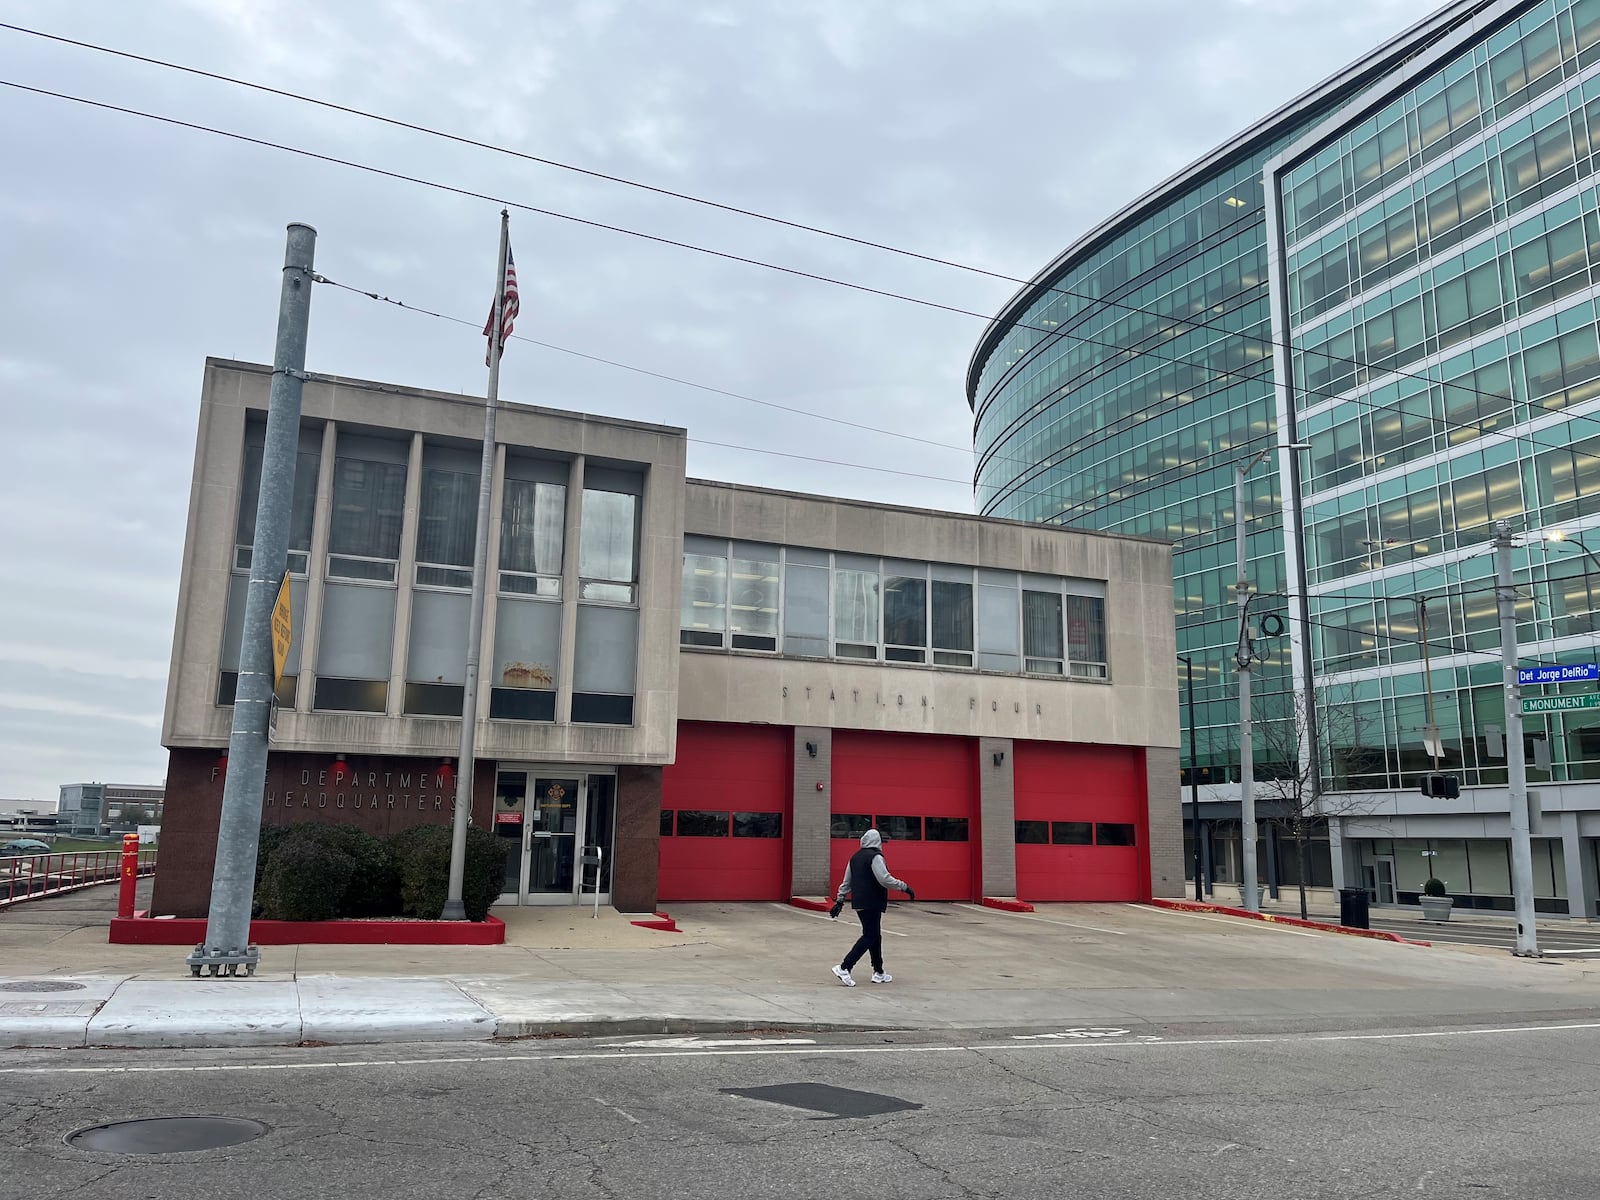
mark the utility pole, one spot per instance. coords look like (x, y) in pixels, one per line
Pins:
(1516, 763)
(1194, 778)
(454, 909)
(1244, 656)
(227, 946)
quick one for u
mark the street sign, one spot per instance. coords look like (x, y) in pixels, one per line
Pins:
(282, 631)
(1559, 673)
(1548, 704)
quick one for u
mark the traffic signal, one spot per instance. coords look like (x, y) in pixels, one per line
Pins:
(1441, 787)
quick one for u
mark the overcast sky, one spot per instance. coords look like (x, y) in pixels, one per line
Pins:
(991, 132)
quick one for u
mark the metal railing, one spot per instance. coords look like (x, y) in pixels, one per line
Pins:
(30, 876)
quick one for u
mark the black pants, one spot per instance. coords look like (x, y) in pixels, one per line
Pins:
(870, 941)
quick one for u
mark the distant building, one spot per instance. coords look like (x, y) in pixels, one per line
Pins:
(92, 807)
(19, 817)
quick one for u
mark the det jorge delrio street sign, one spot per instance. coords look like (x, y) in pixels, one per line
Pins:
(1559, 673)
(1545, 704)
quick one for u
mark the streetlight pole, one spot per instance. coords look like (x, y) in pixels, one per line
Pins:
(1516, 763)
(1194, 778)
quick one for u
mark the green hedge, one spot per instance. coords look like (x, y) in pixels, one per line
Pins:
(319, 872)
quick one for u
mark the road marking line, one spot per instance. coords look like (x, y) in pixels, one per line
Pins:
(1047, 920)
(622, 1112)
(825, 917)
(1579, 950)
(1236, 922)
(975, 1048)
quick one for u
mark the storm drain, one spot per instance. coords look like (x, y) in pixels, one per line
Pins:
(41, 985)
(836, 1102)
(166, 1135)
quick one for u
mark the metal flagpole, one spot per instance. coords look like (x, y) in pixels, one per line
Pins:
(454, 909)
(227, 946)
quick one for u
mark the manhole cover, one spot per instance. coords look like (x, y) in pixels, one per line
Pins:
(825, 1098)
(41, 985)
(166, 1135)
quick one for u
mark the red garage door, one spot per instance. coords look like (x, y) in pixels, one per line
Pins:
(1082, 824)
(725, 814)
(921, 792)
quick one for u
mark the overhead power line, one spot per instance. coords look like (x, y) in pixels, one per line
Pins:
(753, 214)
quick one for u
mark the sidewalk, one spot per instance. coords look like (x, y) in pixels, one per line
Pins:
(745, 967)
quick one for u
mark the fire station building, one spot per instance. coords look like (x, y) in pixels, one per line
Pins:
(717, 686)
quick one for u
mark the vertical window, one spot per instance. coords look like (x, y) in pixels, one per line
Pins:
(447, 519)
(855, 612)
(532, 520)
(308, 461)
(369, 496)
(1086, 636)
(952, 623)
(704, 603)
(753, 599)
(905, 618)
(607, 562)
(997, 624)
(805, 605)
(1041, 632)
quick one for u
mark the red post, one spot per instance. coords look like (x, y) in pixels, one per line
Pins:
(130, 874)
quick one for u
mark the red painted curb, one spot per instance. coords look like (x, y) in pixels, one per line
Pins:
(1381, 935)
(810, 904)
(190, 931)
(1007, 904)
(662, 921)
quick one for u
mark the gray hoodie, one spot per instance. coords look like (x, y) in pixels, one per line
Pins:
(870, 840)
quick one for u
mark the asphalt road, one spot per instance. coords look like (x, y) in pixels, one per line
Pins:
(1448, 1113)
(1555, 937)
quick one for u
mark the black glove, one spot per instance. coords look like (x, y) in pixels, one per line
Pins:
(838, 907)
(910, 895)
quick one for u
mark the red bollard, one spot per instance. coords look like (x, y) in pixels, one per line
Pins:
(130, 874)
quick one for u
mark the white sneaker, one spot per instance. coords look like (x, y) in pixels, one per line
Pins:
(882, 977)
(844, 976)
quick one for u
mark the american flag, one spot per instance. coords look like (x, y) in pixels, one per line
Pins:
(508, 314)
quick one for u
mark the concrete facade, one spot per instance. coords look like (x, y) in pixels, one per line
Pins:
(330, 760)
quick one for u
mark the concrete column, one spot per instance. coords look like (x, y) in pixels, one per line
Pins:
(489, 671)
(636, 856)
(1581, 889)
(1164, 810)
(405, 577)
(811, 813)
(565, 652)
(1336, 852)
(316, 570)
(997, 817)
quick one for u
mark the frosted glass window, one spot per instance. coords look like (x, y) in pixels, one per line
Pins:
(527, 638)
(805, 610)
(753, 603)
(855, 613)
(606, 559)
(704, 599)
(607, 650)
(998, 628)
(437, 652)
(357, 636)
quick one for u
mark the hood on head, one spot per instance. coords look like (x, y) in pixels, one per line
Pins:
(871, 838)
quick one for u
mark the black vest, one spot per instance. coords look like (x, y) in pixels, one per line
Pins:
(865, 891)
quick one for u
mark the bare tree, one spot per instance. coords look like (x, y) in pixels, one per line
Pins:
(1290, 783)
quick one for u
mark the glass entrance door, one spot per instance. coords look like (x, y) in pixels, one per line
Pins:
(1379, 879)
(558, 826)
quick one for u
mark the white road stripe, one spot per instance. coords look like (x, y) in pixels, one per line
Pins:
(806, 912)
(984, 908)
(1058, 1047)
(621, 1112)
(1580, 950)
(1236, 922)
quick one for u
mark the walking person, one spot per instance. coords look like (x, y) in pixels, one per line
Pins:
(866, 885)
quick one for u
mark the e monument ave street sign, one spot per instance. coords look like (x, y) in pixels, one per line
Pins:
(1547, 704)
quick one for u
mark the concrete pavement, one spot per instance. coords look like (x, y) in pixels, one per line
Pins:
(760, 967)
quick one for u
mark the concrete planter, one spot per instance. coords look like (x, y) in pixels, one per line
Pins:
(1435, 908)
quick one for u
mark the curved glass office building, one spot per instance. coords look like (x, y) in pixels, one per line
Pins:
(1399, 270)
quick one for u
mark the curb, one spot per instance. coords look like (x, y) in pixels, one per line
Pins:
(661, 921)
(810, 905)
(1007, 904)
(1380, 935)
(187, 931)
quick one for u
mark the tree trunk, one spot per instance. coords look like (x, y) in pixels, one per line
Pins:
(1303, 845)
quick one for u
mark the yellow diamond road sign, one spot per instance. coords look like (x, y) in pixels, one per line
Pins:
(282, 631)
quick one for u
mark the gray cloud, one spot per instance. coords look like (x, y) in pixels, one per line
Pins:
(991, 133)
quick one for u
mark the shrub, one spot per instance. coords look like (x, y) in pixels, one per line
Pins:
(1433, 887)
(422, 854)
(268, 840)
(305, 880)
(374, 889)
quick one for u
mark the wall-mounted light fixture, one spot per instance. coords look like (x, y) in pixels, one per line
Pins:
(999, 757)
(811, 749)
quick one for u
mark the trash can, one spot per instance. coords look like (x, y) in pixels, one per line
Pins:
(1353, 908)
